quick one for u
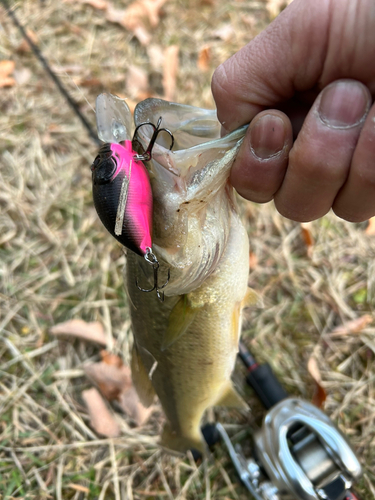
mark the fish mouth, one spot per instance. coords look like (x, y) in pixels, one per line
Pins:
(197, 139)
(193, 200)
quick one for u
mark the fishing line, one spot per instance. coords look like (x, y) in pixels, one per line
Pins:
(37, 52)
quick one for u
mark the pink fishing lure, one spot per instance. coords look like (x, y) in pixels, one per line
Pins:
(122, 195)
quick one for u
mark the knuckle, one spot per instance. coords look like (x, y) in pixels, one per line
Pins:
(219, 82)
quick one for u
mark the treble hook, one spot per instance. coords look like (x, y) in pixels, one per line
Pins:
(151, 259)
(147, 155)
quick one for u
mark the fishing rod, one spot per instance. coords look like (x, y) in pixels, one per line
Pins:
(298, 452)
(38, 54)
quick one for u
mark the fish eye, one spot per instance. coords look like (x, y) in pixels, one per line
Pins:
(104, 166)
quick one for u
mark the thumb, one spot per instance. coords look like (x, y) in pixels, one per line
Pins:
(288, 56)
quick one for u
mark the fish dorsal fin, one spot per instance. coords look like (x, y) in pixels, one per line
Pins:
(181, 317)
(141, 379)
(230, 398)
(252, 299)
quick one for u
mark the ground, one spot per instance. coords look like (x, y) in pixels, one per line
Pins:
(57, 262)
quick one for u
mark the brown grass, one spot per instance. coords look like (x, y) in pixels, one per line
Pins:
(57, 262)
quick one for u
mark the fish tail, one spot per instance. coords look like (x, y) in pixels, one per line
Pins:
(181, 443)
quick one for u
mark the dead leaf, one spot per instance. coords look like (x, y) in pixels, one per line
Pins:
(249, 20)
(6, 69)
(136, 81)
(101, 419)
(204, 58)
(136, 17)
(152, 8)
(370, 229)
(111, 380)
(307, 237)
(170, 70)
(353, 326)
(111, 359)
(77, 328)
(87, 82)
(22, 76)
(253, 260)
(131, 405)
(320, 394)
(274, 7)
(156, 57)
(225, 32)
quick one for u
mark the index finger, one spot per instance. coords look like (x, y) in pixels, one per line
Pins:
(286, 57)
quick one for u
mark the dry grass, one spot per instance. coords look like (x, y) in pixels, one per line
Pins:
(57, 262)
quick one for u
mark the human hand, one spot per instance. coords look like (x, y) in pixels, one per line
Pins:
(311, 73)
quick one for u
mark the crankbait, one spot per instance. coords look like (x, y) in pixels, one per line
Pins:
(121, 185)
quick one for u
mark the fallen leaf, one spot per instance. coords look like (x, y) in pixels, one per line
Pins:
(6, 69)
(204, 58)
(225, 32)
(111, 359)
(370, 229)
(320, 394)
(142, 34)
(111, 380)
(152, 8)
(87, 82)
(136, 81)
(101, 419)
(22, 76)
(249, 20)
(131, 405)
(136, 16)
(77, 328)
(132, 104)
(353, 326)
(156, 57)
(307, 237)
(274, 7)
(253, 260)
(170, 70)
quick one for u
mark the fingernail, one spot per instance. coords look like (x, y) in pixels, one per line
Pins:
(343, 104)
(267, 136)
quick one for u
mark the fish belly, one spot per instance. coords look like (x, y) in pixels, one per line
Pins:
(194, 373)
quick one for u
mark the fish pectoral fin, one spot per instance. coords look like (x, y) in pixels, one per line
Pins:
(230, 398)
(252, 299)
(180, 443)
(181, 317)
(141, 379)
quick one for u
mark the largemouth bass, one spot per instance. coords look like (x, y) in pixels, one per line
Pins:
(185, 347)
